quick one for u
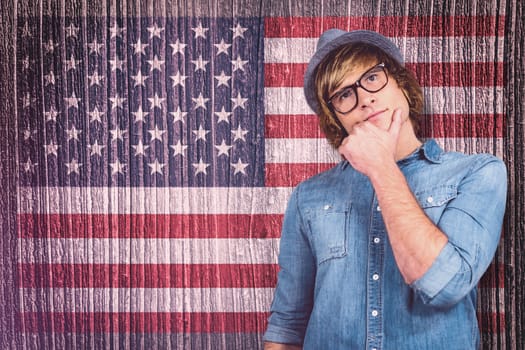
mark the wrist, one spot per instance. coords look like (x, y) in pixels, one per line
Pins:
(385, 174)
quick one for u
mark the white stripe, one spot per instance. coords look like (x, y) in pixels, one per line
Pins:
(438, 100)
(300, 151)
(149, 250)
(167, 300)
(475, 8)
(471, 145)
(147, 200)
(424, 49)
(319, 151)
(147, 299)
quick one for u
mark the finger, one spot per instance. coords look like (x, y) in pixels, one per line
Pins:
(397, 121)
(343, 145)
(341, 153)
(340, 150)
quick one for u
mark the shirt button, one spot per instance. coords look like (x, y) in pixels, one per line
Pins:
(375, 276)
(430, 199)
(375, 313)
(326, 207)
(377, 240)
(378, 208)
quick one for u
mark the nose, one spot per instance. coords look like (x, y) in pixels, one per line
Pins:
(365, 98)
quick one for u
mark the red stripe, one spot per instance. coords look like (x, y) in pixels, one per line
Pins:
(494, 277)
(393, 26)
(462, 74)
(292, 126)
(147, 322)
(173, 276)
(491, 322)
(149, 226)
(289, 175)
(432, 125)
(148, 276)
(461, 125)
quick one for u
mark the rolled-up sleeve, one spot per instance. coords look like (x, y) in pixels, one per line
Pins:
(472, 222)
(293, 298)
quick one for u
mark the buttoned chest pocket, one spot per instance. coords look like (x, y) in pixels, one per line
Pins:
(434, 200)
(328, 227)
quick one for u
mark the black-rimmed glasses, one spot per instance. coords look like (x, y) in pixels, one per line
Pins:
(345, 100)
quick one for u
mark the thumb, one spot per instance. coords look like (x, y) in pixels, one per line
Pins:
(397, 122)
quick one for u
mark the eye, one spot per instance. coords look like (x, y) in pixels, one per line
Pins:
(375, 76)
(372, 77)
(345, 94)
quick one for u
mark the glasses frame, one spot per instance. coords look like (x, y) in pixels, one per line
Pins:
(354, 87)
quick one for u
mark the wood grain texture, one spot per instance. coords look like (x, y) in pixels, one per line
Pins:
(10, 338)
(514, 248)
(503, 333)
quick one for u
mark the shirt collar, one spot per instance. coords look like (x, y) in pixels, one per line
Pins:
(430, 151)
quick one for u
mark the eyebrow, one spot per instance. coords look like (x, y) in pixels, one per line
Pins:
(330, 96)
(367, 70)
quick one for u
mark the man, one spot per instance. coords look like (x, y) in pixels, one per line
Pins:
(385, 250)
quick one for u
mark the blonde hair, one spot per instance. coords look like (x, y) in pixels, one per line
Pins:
(344, 60)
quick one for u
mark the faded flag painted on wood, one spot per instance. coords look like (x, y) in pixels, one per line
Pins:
(156, 149)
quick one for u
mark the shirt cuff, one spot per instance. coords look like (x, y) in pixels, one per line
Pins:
(445, 267)
(276, 334)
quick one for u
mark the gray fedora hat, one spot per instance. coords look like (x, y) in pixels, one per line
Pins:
(334, 38)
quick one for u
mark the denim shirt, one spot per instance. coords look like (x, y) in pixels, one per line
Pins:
(339, 286)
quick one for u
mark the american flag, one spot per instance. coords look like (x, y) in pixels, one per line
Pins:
(156, 156)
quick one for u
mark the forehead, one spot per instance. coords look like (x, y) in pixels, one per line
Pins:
(344, 64)
(354, 72)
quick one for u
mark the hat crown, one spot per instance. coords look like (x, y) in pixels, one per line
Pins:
(328, 36)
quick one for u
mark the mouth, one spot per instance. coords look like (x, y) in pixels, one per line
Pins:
(374, 115)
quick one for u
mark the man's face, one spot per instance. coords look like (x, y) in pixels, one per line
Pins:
(374, 107)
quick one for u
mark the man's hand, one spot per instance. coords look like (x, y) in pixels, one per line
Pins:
(368, 148)
(415, 240)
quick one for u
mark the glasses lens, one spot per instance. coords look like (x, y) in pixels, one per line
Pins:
(345, 99)
(374, 80)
